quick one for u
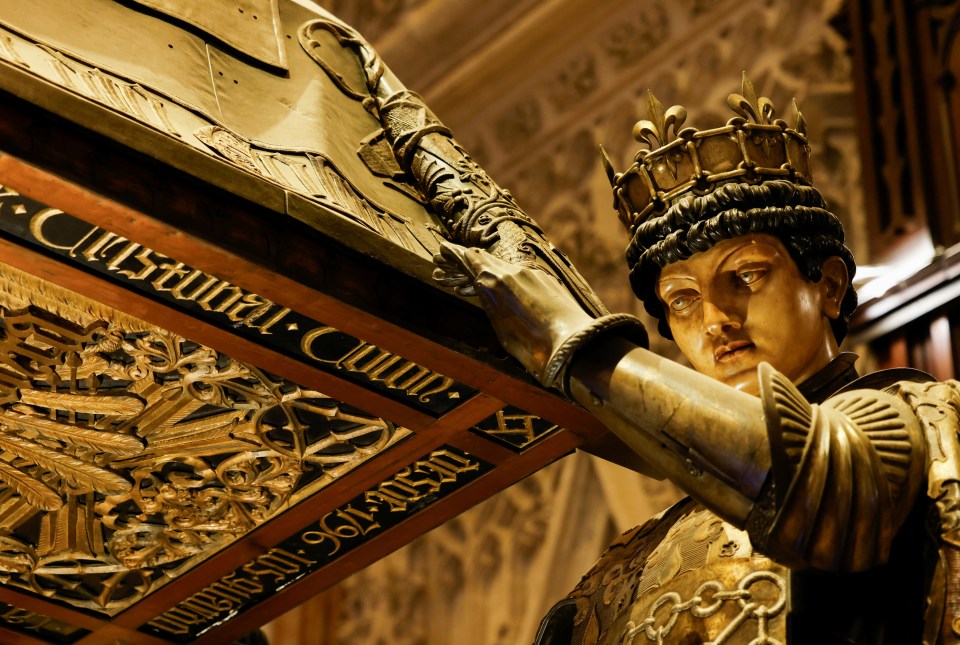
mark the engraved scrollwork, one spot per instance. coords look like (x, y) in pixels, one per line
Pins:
(128, 452)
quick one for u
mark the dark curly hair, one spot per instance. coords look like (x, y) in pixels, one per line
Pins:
(795, 214)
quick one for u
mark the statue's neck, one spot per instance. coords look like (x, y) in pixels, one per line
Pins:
(831, 378)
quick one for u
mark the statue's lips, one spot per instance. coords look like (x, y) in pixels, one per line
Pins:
(732, 350)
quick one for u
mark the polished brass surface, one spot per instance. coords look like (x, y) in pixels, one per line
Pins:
(936, 406)
(474, 209)
(553, 326)
(152, 483)
(130, 454)
(683, 573)
(716, 442)
(190, 95)
(250, 26)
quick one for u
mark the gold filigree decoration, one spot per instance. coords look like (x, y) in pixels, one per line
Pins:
(128, 454)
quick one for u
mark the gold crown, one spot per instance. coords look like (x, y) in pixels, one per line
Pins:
(752, 147)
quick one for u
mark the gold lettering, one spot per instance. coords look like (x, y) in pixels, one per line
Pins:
(405, 479)
(241, 585)
(224, 595)
(148, 265)
(444, 385)
(398, 483)
(117, 260)
(306, 344)
(278, 563)
(37, 223)
(373, 368)
(225, 590)
(447, 464)
(208, 608)
(337, 533)
(224, 287)
(394, 380)
(235, 313)
(446, 474)
(273, 320)
(395, 504)
(317, 537)
(102, 244)
(177, 291)
(176, 620)
(170, 270)
(17, 616)
(351, 515)
(377, 364)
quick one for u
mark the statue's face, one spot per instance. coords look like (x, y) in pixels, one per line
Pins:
(744, 301)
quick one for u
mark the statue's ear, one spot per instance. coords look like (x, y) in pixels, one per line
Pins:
(833, 286)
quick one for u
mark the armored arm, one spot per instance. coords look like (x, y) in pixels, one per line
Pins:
(818, 485)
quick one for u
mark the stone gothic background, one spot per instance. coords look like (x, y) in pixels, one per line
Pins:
(532, 88)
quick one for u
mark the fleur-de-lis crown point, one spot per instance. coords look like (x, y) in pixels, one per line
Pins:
(759, 110)
(661, 126)
(751, 147)
(801, 126)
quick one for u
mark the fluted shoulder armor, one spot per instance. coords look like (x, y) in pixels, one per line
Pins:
(844, 475)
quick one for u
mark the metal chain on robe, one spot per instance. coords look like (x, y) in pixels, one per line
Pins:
(750, 608)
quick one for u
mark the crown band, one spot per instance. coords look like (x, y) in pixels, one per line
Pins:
(751, 148)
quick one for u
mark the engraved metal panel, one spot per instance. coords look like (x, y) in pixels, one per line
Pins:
(368, 515)
(129, 454)
(228, 306)
(515, 427)
(190, 115)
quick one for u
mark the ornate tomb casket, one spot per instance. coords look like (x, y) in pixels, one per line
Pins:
(227, 378)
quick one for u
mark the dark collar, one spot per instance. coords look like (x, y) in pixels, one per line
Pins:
(836, 374)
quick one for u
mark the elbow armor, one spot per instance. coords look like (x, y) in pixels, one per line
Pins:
(844, 475)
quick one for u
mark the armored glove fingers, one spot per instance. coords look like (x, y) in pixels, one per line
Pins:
(534, 316)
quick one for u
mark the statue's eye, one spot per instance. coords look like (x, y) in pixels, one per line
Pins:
(682, 302)
(749, 276)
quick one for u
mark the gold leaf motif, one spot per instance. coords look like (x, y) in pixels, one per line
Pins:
(174, 437)
(106, 404)
(74, 471)
(109, 442)
(34, 491)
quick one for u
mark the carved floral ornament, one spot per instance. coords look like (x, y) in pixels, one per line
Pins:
(129, 454)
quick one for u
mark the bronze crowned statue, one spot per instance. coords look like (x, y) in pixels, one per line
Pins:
(823, 505)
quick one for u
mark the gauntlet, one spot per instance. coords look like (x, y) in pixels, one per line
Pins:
(825, 485)
(536, 319)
